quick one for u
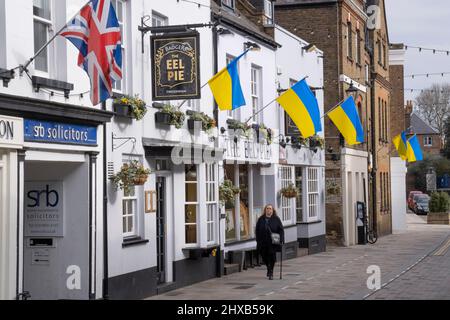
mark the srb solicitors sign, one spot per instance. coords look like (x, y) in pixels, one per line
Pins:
(54, 132)
(175, 66)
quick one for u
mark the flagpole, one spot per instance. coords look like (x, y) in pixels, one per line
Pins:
(24, 68)
(332, 109)
(259, 111)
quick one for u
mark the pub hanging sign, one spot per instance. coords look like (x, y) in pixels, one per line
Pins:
(175, 66)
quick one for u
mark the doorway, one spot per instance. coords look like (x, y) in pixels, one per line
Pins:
(160, 229)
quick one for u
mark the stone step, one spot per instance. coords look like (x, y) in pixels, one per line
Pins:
(231, 268)
(301, 252)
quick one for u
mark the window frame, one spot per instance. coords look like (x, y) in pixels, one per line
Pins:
(233, 114)
(268, 12)
(427, 141)
(256, 92)
(211, 188)
(230, 4)
(49, 50)
(192, 203)
(299, 199)
(286, 175)
(313, 194)
(122, 25)
(349, 40)
(130, 199)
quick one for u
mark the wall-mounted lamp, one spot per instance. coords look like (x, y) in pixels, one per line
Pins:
(352, 90)
(252, 46)
(309, 48)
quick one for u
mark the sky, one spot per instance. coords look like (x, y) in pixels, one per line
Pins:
(421, 23)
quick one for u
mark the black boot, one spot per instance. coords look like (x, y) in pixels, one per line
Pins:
(270, 274)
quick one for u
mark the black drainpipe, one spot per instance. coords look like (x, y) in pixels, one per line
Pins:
(105, 216)
(219, 260)
(374, 146)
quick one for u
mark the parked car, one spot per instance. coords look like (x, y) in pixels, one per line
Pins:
(410, 198)
(421, 202)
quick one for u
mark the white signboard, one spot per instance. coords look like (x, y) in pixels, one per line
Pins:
(11, 132)
(40, 257)
(44, 209)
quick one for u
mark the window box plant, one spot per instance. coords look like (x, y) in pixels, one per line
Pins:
(228, 192)
(316, 142)
(298, 142)
(130, 174)
(240, 127)
(170, 115)
(127, 106)
(207, 123)
(439, 209)
(290, 191)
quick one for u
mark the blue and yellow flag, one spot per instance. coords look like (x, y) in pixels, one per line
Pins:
(226, 86)
(400, 143)
(301, 105)
(414, 153)
(346, 118)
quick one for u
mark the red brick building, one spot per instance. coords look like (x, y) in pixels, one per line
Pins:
(429, 139)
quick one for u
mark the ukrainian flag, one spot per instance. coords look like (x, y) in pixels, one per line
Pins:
(345, 117)
(414, 153)
(226, 86)
(301, 105)
(400, 143)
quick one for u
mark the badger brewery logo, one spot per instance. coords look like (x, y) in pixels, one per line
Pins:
(175, 66)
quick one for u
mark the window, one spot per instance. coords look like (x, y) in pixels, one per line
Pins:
(349, 40)
(129, 212)
(158, 20)
(313, 193)
(191, 203)
(367, 73)
(42, 19)
(385, 121)
(235, 114)
(358, 48)
(230, 207)
(384, 55)
(291, 128)
(286, 204)
(255, 83)
(228, 3)
(299, 200)
(380, 53)
(380, 120)
(268, 12)
(120, 7)
(427, 141)
(211, 201)
(244, 213)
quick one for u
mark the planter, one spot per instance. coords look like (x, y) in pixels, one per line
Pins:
(192, 124)
(290, 194)
(162, 118)
(122, 110)
(140, 180)
(438, 218)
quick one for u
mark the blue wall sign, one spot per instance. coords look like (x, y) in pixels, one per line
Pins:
(55, 132)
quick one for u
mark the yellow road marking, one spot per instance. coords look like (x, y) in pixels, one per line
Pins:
(443, 249)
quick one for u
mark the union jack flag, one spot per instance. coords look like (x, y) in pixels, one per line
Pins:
(95, 31)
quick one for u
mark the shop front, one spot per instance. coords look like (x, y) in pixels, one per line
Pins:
(59, 177)
(11, 143)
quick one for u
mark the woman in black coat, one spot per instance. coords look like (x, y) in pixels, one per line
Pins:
(268, 223)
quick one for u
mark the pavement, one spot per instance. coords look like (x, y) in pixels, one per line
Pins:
(413, 264)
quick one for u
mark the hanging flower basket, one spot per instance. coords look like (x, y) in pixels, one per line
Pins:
(228, 192)
(207, 123)
(316, 142)
(290, 191)
(170, 115)
(130, 174)
(130, 107)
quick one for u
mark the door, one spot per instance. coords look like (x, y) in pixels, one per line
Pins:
(160, 229)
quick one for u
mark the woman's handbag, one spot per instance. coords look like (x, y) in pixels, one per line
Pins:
(276, 239)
